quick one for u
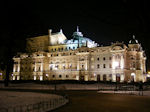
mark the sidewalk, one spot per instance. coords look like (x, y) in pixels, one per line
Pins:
(28, 101)
(145, 93)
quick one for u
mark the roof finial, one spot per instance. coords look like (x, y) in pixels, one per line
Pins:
(133, 36)
(77, 28)
(61, 31)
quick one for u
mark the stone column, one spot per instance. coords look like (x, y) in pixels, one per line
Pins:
(18, 68)
(41, 66)
(35, 67)
(14, 68)
(122, 62)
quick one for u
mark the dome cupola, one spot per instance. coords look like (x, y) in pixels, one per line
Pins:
(133, 41)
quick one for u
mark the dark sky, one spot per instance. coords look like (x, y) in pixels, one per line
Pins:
(105, 21)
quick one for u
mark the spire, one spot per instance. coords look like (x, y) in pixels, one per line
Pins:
(77, 28)
(77, 33)
(133, 36)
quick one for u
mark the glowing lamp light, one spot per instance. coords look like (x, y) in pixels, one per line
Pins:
(148, 75)
(0, 73)
(34, 77)
(11, 74)
(132, 74)
(41, 78)
(46, 75)
(115, 64)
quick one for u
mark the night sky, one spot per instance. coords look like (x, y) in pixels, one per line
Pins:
(104, 22)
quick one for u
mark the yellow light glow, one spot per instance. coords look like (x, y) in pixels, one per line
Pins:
(148, 75)
(34, 77)
(132, 74)
(46, 75)
(41, 78)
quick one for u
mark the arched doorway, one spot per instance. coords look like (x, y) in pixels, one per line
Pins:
(98, 77)
(104, 77)
(132, 77)
(81, 78)
(117, 77)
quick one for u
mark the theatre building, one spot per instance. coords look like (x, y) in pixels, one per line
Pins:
(54, 57)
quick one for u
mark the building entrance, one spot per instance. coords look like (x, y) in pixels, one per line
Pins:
(81, 78)
(104, 78)
(117, 77)
(98, 78)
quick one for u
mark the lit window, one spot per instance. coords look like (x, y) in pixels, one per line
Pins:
(92, 59)
(56, 66)
(51, 67)
(63, 66)
(115, 64)
(70, 66)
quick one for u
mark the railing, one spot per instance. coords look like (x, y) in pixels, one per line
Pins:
(42, 106)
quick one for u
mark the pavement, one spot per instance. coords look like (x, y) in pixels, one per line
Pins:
(9, 99)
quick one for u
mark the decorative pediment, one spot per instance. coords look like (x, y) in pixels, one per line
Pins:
(117, 48)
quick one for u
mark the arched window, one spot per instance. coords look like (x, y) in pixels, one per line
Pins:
(60, 76)
(67, 76)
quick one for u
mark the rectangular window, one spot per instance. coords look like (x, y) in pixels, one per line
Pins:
(98, 66)
(109, 58)
(104, 66)
(104, 58)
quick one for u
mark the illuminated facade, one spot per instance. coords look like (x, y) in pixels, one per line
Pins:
(54, 57)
